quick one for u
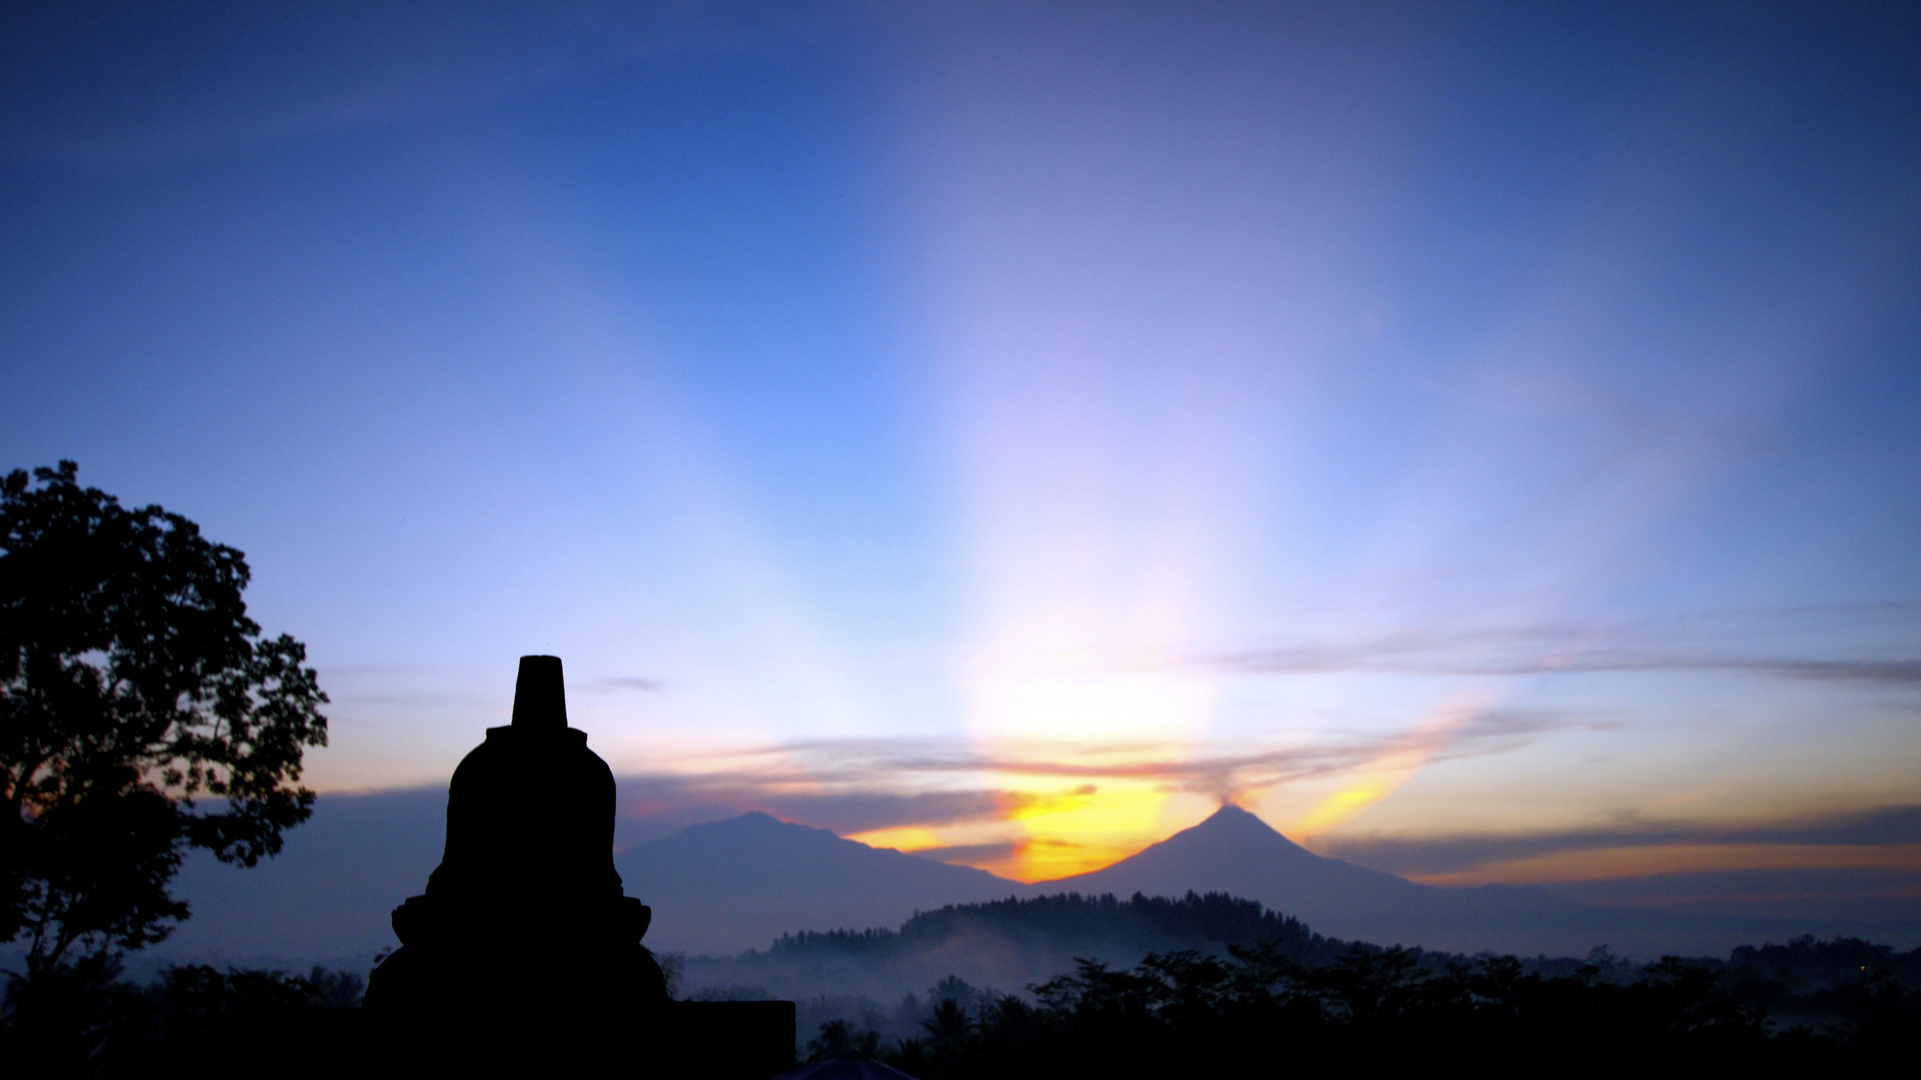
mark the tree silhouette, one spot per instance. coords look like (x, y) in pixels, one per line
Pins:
(948, 1026)
(141, 715)
(840, 1039)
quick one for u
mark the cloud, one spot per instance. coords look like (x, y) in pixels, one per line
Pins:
(624, 684)
(1768, 643)
(1859, 893)
(1223, 774)
(866, 785)
(973, 854)
(1401, 659)
(675, 801)
(1877, 827)
(861, 785)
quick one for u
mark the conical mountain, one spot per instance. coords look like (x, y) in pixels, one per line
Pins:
(1236, 852)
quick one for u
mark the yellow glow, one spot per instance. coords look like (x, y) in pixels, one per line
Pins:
(1074, 832)
(1067, 683)
(1344, 804)
(1394, 766)
(900, 838)
(1050, 833)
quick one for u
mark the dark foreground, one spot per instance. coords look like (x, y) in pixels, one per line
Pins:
(199, 1021)
(1257, 1010)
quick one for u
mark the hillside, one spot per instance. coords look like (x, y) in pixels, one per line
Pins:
(727, 886)
(1004, 944)
(1082, 925)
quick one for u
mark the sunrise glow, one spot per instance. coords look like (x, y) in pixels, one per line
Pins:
(1006, 433)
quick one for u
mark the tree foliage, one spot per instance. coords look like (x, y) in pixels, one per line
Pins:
(1262, 994)
(1258, 1010)
(142, 714)
(1072, 922)
(84, 1019)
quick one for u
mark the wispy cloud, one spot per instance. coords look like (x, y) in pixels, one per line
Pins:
(842, 810)
(1766, 643)
(624, 684)
(973, 854)
(857, 761)
(1433, 855)
(860, 785)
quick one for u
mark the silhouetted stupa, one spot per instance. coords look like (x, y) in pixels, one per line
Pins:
(524, 918)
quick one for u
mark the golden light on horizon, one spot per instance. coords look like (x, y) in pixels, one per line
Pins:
(907, 838)
(1085, 829)
(1043, 835)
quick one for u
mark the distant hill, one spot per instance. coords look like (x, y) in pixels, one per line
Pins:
(738, 884)
(325, 898)
(1001, 944)
(1072, 924)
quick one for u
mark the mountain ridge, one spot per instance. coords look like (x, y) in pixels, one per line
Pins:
(739, 883)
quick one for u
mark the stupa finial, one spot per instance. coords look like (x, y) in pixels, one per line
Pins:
(540, 698)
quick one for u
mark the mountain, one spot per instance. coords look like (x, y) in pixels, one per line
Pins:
(723, 886)
(738, 884)
(1237, 853)
(999, 944)
(325, 898)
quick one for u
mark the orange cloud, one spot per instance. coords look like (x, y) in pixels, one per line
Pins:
(1382, 776)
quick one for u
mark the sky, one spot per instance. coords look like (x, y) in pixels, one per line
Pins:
(1477, 438)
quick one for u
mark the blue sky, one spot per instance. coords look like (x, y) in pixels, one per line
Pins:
(1033, 424)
